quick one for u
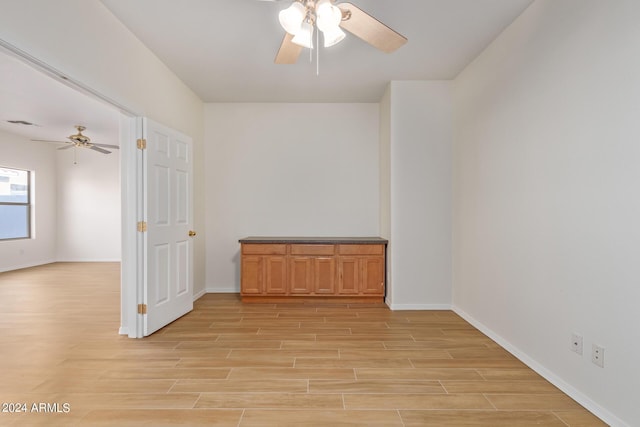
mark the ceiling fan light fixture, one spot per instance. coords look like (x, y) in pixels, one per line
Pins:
(291, 18)
(304, 37)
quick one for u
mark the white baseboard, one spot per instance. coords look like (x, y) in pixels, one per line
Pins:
(199, 294)
(89, 260)
(550, 376)
(233, 290)
(26, 265)
(124, 330)
(400, 307)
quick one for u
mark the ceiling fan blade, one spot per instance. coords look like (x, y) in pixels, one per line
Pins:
(369, 29)
(100, 150)
(65, 147)
(288, 52)
(106, 145)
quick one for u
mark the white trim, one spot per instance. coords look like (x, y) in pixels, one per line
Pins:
(550, 376)
(400, 307)
(199, 295)
(28, 265)
(123, 330)
(128, 203)
(89, 260)
(233, 290)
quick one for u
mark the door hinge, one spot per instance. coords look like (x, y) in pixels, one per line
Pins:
(142, 308)
(142, 144)
(142, 226)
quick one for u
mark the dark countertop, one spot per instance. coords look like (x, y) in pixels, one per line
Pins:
(316, 240)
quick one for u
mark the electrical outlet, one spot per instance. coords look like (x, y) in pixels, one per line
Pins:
(576, 343)
(597, 355)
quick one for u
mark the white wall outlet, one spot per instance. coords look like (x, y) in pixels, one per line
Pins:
(576, 343)
(597, 355)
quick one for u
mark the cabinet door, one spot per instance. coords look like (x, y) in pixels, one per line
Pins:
(372, 276)
(324, 270)
(300, 275)
(348, 275)
(275, 275)
(252, 274)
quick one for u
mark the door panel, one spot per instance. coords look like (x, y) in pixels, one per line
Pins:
(373, 275)
(349, 275)
(168, 201)
(325, 275)
(276, 275)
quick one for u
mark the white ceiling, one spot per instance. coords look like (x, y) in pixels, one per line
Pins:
(224, 51)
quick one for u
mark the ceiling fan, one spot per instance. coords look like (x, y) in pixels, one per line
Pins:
(82, 141)
(303, 17)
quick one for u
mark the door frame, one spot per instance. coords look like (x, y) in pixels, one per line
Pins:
(132, 262)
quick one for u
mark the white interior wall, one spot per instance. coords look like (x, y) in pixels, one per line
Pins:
(420, 133)
(287, 170)
(20, 153)
(88, 205)
(546, 196)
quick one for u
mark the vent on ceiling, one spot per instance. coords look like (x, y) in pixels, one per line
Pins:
(21, 122)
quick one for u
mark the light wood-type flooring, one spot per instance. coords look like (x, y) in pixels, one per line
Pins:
(234, 364)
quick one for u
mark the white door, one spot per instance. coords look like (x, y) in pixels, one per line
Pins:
(167, 164)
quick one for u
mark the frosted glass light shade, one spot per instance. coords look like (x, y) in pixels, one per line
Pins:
(291, 18)
(333, 36)
(304, 37)
(328, 16)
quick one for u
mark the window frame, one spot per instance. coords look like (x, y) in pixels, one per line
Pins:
(28, 205)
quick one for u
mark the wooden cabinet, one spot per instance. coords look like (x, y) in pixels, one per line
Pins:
(297, 269)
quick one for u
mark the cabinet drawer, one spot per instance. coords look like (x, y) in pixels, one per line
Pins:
(264, 249)
(361, 249)
(312, 249)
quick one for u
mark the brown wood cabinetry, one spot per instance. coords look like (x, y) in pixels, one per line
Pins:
(295, 269)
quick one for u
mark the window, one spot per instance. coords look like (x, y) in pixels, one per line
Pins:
(15, 204)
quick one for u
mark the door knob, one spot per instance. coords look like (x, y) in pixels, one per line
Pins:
(192, 233)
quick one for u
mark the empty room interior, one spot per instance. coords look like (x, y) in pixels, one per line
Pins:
(316, 212)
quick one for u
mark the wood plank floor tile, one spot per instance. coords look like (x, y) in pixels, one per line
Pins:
(290, 373)
(316, 418)
(511, 387)
(416, 401)
(333, 344)
(580, 418)
(169, 373)
(270, 400)
(467, 363)
(434, 374)
(163, 417)
(285, 353)
(316, 363)
(240, 386)
(533, 402)
(479, 418)
(374, 386)
(392, 354)
(255, 361)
